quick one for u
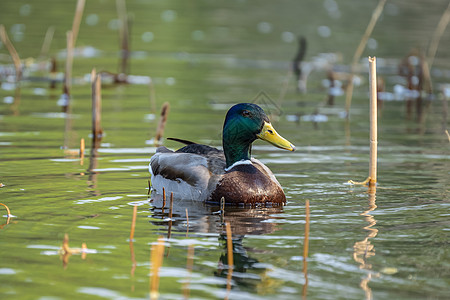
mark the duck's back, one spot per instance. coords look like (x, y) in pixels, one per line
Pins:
(190, 173)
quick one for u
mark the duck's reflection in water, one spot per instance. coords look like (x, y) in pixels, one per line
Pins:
(204, 218)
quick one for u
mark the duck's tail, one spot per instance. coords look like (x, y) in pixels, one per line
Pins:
(182, 141)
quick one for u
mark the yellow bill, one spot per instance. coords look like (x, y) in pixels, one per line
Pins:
(269, 134)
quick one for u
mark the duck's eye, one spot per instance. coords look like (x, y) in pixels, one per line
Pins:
(246, 113)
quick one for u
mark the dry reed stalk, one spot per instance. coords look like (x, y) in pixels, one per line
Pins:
(12, 51)
(67, 127)
(53, 72)
(133, 222)
(162, 123)
(156, 259)
(373, 121)
(448, 135)
(7, 208)
(66, 251)
(124, 35)
(331, 80)
(189, 266)
(83, 251)
(171, 205)
(222, 204)
(230, 257)
(68, 71)
(77, 20)
(164, 199)
(427, 84)
(362, 45)
(300, 74)
(169, 230)
(372, 179)
(306, 239)
(47, 42)
(8, 217)
(439, 31)
(96, 106)
(65, 245)
(82, 146)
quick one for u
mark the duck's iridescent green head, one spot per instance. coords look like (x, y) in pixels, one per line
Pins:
(244, 123)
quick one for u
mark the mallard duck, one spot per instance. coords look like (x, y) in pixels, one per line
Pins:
(203, 173)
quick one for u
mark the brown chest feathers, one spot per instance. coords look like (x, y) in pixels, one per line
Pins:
(248, 184)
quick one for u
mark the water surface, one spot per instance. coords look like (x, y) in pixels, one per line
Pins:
(202, 57)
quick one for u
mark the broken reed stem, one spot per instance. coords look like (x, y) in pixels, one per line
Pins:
(8, 217)
(124, 35)
(82, 146)
(169, 229)
(437, 36)
(83, 251)
(164, 199)
(53, 72)
(373, 121)
(77, 20)
(162, 123)
(427, 85)
(189, 266)
(362, 45)
(7, 209)
(448, 134)
(171, 205)
(47, 42)
(372, 179)
(149, 187)
(12, 51)
(306, 239)
(156, 259)
(68, 71)
(65, 245)
(222, 204)
(133, 223)
(96, 106)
